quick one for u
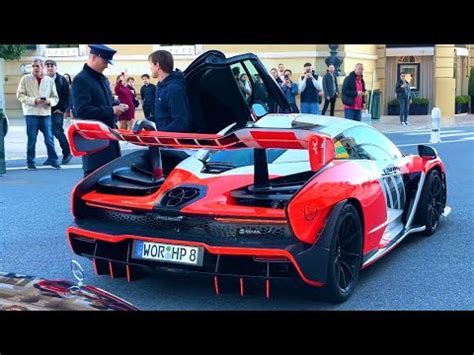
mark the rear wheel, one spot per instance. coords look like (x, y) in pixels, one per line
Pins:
(345, 256)
(431, 203)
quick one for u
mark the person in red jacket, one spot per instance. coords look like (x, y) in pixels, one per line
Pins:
(125, 96)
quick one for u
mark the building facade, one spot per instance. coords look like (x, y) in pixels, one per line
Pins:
(439, 72)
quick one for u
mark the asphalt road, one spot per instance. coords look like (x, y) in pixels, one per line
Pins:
(422, 273)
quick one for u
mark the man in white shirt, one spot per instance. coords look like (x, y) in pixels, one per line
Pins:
(37, 94)
(309, 88)
(281, 72)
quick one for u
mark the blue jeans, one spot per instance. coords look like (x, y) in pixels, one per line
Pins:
(404, 109)
(310, 107)
(58, 132)
(43, 124)
(352, 114)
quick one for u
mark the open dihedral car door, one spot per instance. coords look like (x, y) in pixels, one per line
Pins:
(215, 91)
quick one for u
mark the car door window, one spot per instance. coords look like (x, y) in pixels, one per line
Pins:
(250, 83)
(373, 152)
(259, 92)
(363, 142)
(242, 80)
(257, 86)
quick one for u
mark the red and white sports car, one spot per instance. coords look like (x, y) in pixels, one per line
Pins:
(267, 195)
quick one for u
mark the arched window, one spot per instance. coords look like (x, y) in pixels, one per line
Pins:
(408, 59)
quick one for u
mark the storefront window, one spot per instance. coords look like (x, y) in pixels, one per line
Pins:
(412, 74)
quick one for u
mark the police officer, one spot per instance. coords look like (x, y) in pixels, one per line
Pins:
(92, 100)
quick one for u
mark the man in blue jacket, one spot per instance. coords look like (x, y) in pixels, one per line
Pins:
(171, 101)
(290, 89)
(92, 100)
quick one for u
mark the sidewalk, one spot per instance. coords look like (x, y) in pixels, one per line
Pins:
(388, 124)
(15, 141)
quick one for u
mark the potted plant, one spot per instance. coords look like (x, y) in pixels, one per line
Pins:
(393, 107)
(462, 104)
(470, 90)
(419, 106)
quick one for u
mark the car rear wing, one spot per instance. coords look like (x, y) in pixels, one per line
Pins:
(87, 137)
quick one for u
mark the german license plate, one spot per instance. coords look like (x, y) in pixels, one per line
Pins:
(171, 253)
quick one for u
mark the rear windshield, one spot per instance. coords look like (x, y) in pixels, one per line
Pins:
(240, 157)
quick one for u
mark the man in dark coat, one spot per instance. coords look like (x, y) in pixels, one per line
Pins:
(57, 112)
(330, 90)
(353, 91)
(147, 93)
(92, 100)
(403, 91)
(172, 113)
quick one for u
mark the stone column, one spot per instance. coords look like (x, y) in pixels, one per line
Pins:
(380, 75)
(471, 56)
(444, 89)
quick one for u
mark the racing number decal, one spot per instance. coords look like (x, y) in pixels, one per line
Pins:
(393, 188)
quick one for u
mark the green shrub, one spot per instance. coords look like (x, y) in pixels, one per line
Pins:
(393, 102)
(470, 90)
(463, 99)
(420, 101)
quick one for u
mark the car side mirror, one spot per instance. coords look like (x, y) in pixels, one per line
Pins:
(259, 110)
(427, 152)
(145, 124)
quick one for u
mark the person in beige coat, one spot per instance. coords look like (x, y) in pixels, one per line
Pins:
(37, 94)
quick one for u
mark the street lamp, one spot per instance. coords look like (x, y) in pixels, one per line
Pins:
(334, 59)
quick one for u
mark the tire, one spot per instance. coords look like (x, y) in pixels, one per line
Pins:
(345, 256)
(431, 204)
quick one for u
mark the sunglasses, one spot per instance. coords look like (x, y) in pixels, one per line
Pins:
(50, 65)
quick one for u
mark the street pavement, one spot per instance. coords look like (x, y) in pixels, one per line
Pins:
(422, 273)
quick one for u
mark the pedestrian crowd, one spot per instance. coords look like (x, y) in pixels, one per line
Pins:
(49, 98)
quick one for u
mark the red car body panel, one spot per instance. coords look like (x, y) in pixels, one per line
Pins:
(344, 180)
